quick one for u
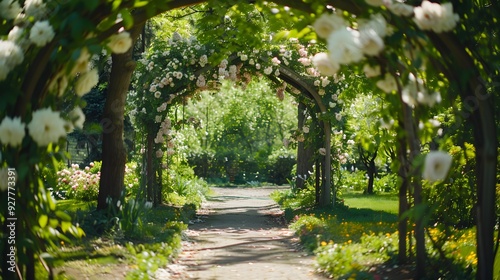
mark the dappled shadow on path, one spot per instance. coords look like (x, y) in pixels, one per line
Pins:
(240, 238)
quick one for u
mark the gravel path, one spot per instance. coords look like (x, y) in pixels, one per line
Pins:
(238, 237)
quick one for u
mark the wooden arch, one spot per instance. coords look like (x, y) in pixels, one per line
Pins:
(325, 196)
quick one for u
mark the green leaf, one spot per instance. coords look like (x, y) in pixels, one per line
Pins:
(415, 212)
(63, 216)
(107, 23)
(65, 226)
(53, 223)
(91, 4)
(128, 20)
(304, 32)
(116, 4)
(140, 4)
(281, 35)
(42, 220)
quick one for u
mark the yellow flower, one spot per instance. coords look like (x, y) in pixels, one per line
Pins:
(323, 243)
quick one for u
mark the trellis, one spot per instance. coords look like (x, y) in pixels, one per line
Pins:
(285, 69)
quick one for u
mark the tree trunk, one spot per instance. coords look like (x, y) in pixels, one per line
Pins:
(403, 202)
(414, 145)
(304, 154)
(114, 155)
(371, 177)
(317, 182)
(328, 196)
(150, 173)
(158, 186)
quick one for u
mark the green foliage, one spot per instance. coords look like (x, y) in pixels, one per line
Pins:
(296, 199)
(309, 228)
(388, 183)
(148, 257)
(83, 184)
(280, 165)
(351, 260)
(353, 180)
(238, 134)
(182, 186)
(453, 199)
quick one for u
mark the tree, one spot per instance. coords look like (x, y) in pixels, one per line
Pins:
(113, 148)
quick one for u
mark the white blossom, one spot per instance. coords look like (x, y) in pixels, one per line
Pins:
(77, 117)
(86, 82)
(429, 99)
(203, 60)
(82, 63)
(435, 17)
(305, 61)
(371, 34)
(275, 61)
(268, 70)
(159, 153)
(41, 33)
(12, 131)
(325, 65)
(386, 125)
(9, 9)
(15, 34)
(344, 46)
(11, 55)
(59, 84)
(436, 166)
(328, 23)
(322, 151)
(120, 43)
(401, 9)
(370, 71)
(388, 84)
(412, 89)
(35, 8)
(200, 82)
(46, 127)
(338, 116)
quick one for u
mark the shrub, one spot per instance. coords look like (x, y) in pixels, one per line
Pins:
(183, 186)
(83, 184)
(79, 184)
(386, 183)
(280, 166)
(353, 180)
(308, 228)
(296, 199)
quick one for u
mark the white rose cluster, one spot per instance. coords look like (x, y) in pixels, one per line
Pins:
(428, 16)
(436, 17)
(346, 44)
(47, 126)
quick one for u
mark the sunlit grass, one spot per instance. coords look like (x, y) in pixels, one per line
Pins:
(349, 239)
(73, 205)
(379, 202)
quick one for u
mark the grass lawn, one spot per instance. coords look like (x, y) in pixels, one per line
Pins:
(108, 251)
(379, 202)
(346, 239)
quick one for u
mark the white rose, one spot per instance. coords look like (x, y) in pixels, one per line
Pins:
(120, 43)
(12, 131)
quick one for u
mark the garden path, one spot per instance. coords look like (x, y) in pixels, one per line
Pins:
(239, 237)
